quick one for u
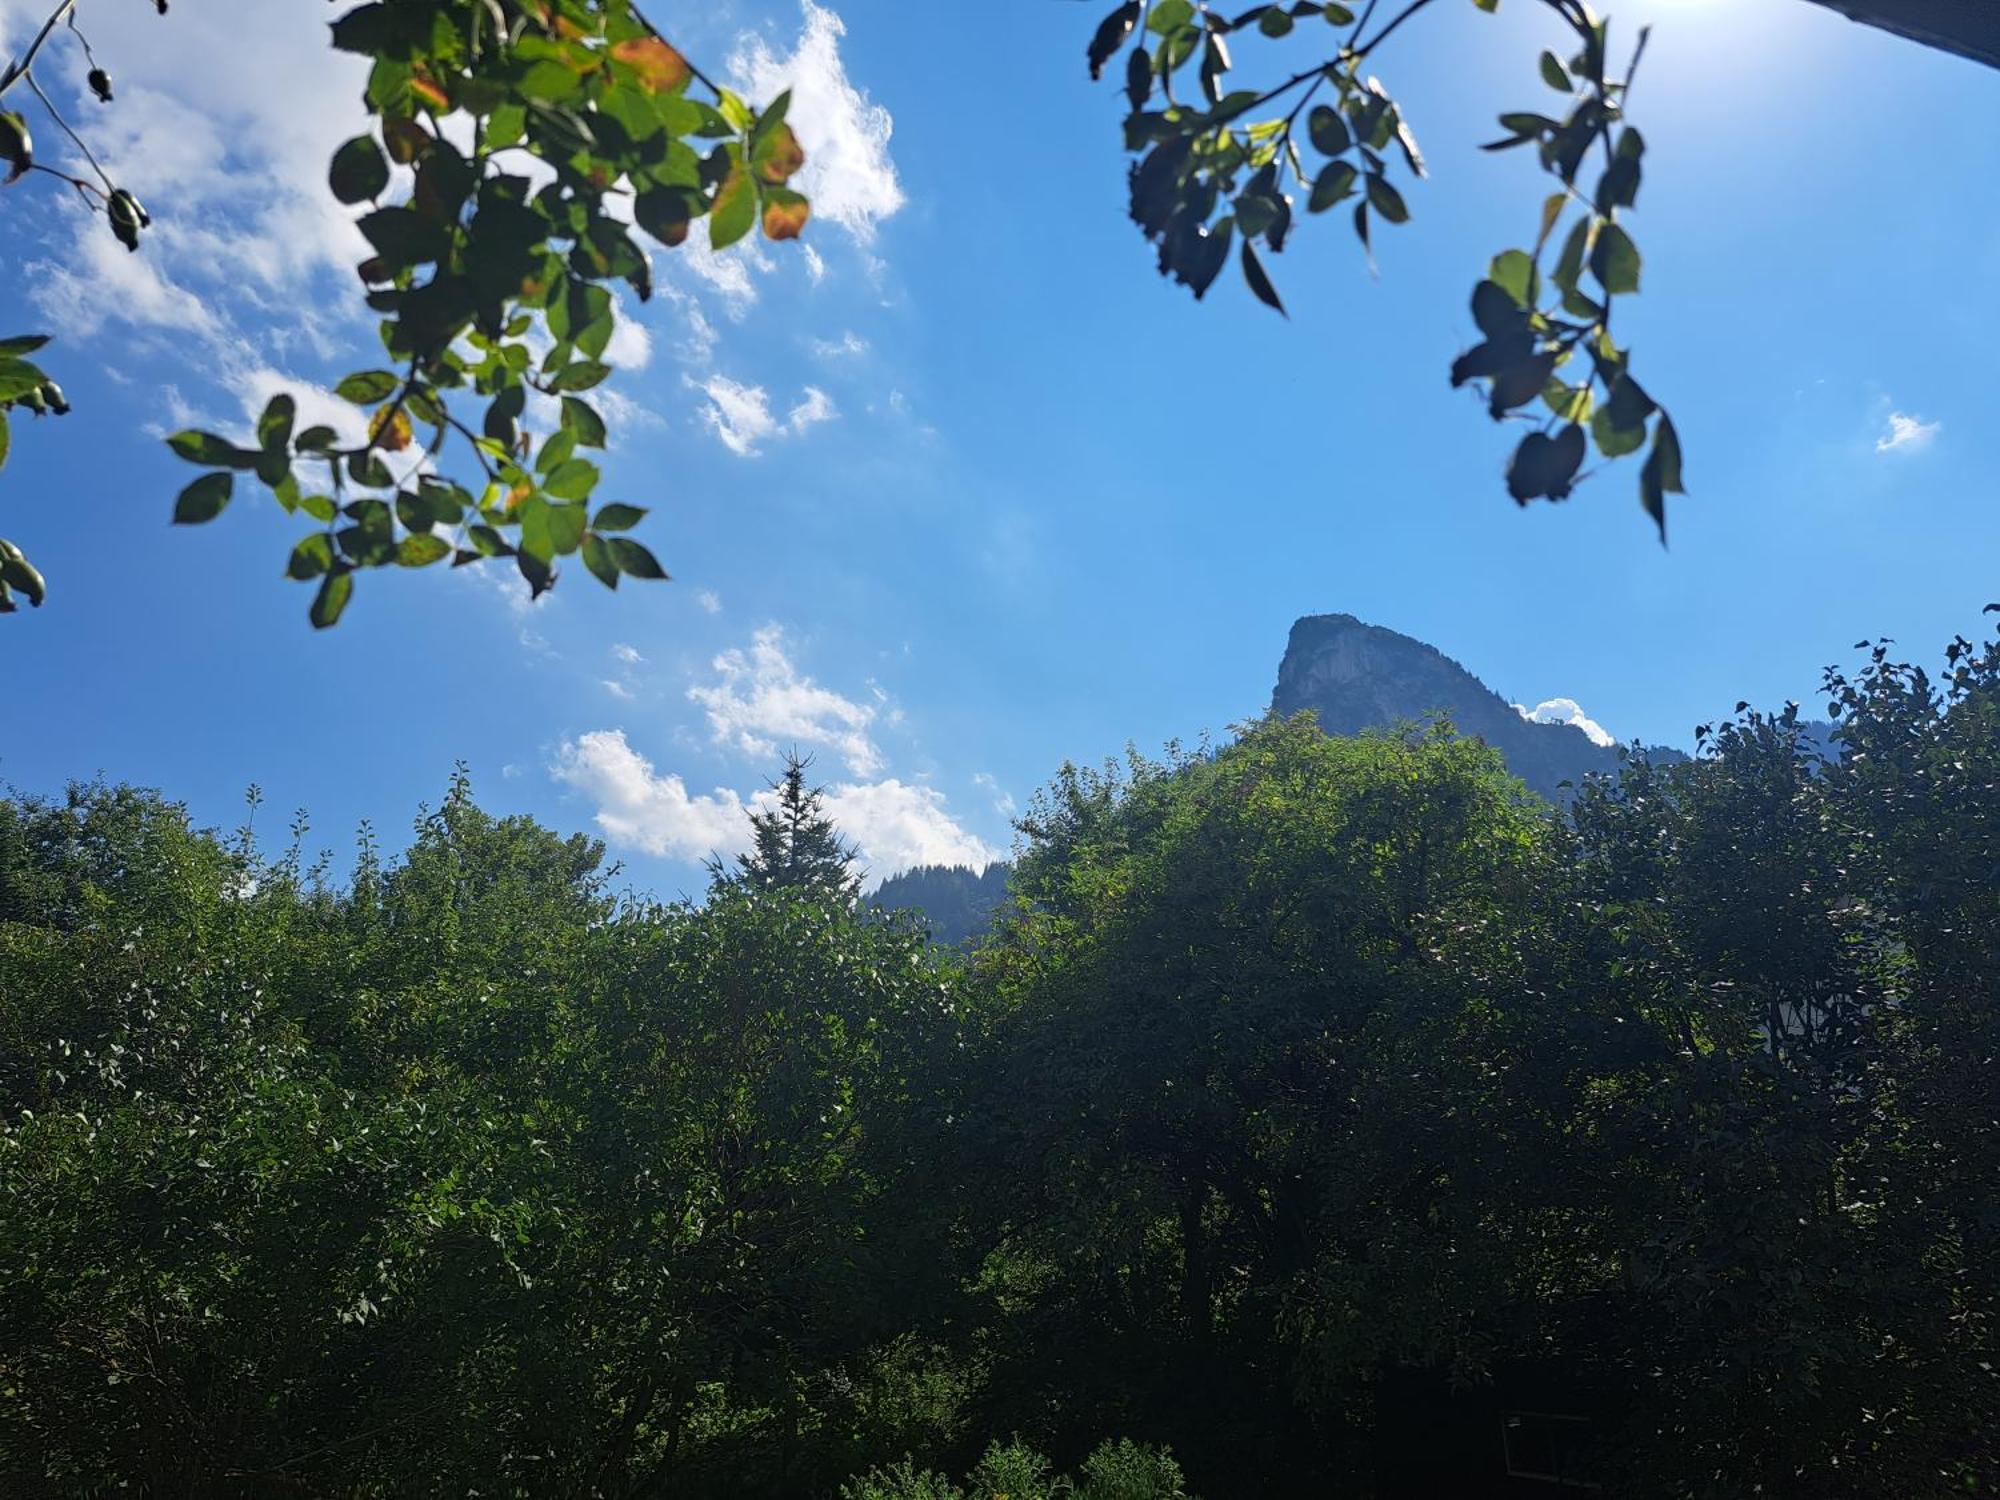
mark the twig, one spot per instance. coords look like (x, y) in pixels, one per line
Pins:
(56, 115)
(19, 70)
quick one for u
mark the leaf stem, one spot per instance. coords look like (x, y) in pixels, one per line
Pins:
(19, 68)
(56, 115)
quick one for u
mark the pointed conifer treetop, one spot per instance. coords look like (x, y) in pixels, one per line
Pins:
(796, 846)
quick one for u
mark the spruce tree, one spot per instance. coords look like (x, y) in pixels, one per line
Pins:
(796, 845)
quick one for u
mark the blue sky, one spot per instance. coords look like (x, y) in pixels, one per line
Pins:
(968, 490)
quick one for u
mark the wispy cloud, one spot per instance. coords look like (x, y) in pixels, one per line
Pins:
(760, 698)
(709, 600)
(741, 417)
(848, 345)
(813, 408)
(1003, 801)
(1907, 434)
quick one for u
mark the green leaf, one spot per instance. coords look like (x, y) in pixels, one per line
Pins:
(1259, 283)
(1520, 383)
(597, 557)
(634, 559)
(1332, 186)
(1328, 131)
(581, 419)
(556, 450)
(1514, 272)
(206, 448)
(1110, 36)
(366, 387)
(1552, 207)
(404, 237)
(1545, 466)
(735, 210)
(1387, 201)
(1619, 427)
(359, 171)
(618, 517)
(580, 375)
(6, 439)
(334, 592)
(1661, 474)
(26, 343)
(319, 507)
(1554, 75)
(489, 542)
(422, 549)
(274, 427)
(565, 525)
(18, 378)
(310, 558)
(572, 479)
(1498, 312)
(1569, 265)
(1614, 260)
(205, 499)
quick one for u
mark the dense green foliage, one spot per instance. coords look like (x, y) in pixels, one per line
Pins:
(1310, 1089)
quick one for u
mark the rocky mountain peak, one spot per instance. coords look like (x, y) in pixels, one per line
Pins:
(1358, 676)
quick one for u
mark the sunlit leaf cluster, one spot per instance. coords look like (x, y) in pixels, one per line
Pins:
(517, 148)
(522, 154)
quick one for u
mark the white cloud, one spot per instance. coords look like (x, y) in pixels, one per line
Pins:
(896, 825)
(848, 173)
(893, 823)
(1566, 711)
(709, 600)
(815, 262)
(849, 343)
(617, 689)
(813, 408)
(741, 416)
(1907, 434)
(631, 346)
(738, 414)
(644, 810)
(727, 273)
(627, 654)
(761, 698)
(1003, 801)
(231, 162)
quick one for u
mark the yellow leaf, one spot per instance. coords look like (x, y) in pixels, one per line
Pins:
(389, 429)
(785, 215)
(779, 154)
(660, 68)
(428, 90)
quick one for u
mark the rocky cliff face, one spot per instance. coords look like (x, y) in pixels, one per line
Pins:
(1357, 676)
